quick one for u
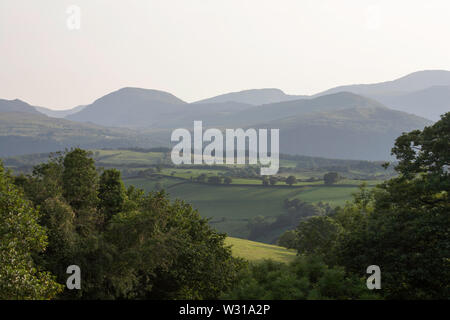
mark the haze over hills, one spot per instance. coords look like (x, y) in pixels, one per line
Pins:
(342, 125)
(59, 113)
(253, 97)
(26, 133)
(353, 133)
(280, 110)
(423, 93)
(412, 82)
(429, 103)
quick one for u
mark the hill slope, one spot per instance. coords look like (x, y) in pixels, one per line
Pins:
(423, 93)
(253, 97)
(257, 251)
(274, 111)
(16, 106)
(412, 82)
(354, 133)
(130, 107)
(25, 133)
(429, 103)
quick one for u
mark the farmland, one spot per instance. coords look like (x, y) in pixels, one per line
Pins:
(231, 207)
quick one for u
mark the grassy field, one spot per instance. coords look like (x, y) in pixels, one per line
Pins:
(231, 207)
(257, 251)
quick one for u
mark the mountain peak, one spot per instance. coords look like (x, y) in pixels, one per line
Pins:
(16, 105)
(142, 94)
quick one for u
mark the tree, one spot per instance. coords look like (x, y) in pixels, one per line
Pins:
(318, 235)
(273, 180)
(291, 180)
(227, 180)
(21, 237)
(112, 193)
(406, 230)
(148, 248)
(330, 178)
(80, 179)
(288, 239)
(215, 180)
(307, 277)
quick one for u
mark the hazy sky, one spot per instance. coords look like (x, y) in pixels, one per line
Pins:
(200, 48)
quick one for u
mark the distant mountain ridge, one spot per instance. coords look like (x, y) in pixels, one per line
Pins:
(412, 82)
(341, 124)
(423, 93)
(253, 97)
(429, 103)
(353, 133)
(16, 106)
(132, 107)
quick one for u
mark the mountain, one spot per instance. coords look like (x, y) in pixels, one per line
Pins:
(58, 113)
(130, 107)
(423, 93)
(280, 110)
(429, 103)
(412, 82)
(355, 133)
(25, 133)
(253, 97)
(16, 106)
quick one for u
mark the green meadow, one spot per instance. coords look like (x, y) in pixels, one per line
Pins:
(230, 207)
(257, 251)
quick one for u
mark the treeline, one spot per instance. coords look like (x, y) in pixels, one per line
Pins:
(129, 245)
(402, 225)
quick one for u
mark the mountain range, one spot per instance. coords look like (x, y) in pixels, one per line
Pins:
(347, 122)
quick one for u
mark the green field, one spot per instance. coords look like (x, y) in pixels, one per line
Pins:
(231, 207)
(257, 251)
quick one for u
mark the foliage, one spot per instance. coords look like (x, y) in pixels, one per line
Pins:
(21, 237)
(291, 180)
(307, 277)
(127, 244)
(288, 239)
(330, 178)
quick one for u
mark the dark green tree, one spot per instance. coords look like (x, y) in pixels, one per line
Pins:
(80, 179)
(406, 231)
(112, 193)
(291, 180)
(330, 178)
(288, 239)
(227, 180)
(21, 237)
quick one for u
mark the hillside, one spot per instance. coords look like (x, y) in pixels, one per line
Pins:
(429, 103)
(16, 106)
(354, 133)
(280, 110)
(25, 133)
(423, 93)
(412, 82)
(253, 97)
(257, 251)
(130, 107)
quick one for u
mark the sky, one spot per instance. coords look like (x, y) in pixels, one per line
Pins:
(60, 54)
